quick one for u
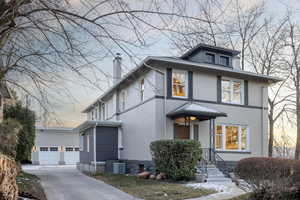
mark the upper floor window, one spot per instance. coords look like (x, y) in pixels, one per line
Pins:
(142, 89)
(179, 83)
(224, 60)
(210, 58)
(232, 91)
(232, 137)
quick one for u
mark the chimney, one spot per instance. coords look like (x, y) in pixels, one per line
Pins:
(117, 62)
(236, 63)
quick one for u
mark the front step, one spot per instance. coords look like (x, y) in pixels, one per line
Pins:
(215, 175)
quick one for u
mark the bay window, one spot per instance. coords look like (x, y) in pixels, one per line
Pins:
(179, 83)
(232, 91)
(232, 137)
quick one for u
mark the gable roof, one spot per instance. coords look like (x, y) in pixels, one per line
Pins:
(202, 46)
(144, 65)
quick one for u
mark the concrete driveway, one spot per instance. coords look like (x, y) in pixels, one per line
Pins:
(66, 183)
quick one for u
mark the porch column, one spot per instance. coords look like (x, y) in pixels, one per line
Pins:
(211, 139)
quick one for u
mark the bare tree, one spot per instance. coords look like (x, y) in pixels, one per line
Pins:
(293, 67)
(43, 42)
(267, 57)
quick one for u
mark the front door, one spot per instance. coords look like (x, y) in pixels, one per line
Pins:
(181, 131)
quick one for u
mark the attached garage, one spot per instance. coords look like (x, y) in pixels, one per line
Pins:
(55, 146)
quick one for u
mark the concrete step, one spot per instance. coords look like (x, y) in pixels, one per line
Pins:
(217, 176)
(225, 180)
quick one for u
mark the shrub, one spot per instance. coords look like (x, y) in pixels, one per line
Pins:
(271, 178)
(26, 134)
(9, 130)
(176, 158)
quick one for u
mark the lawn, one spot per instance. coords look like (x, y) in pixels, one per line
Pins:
(151, 189)
(242, 197)
(29, 186)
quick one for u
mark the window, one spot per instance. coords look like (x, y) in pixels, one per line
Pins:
(196, 132)
(53, 148)
(179, 83)
(224, 60)
(232, 91)
(77, 149)
(92, 114)
(43, 148)
(123, 99)
(142, 89)
(219, 141)
(69, 149)
(210, 58)
(232, 137)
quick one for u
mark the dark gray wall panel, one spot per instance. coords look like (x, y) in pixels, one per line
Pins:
(107, 143)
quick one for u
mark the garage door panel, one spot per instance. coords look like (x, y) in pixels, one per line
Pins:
(49, 156)
(71, 155)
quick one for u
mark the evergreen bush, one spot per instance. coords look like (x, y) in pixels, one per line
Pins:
(176, 158)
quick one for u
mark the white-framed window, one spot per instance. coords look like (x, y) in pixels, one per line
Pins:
(179, 83)
(81, 142)
(232, 91)
(69, 148)
(231, 137)
(142, 89)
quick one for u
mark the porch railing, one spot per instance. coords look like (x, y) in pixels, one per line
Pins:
(210, 156)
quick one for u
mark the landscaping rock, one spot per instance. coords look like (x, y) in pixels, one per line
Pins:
(8, 174)
(152, 177)
(144, 175)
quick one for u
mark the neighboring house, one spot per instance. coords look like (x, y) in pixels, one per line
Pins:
(6, 99)
(55, 146)
(203, 95)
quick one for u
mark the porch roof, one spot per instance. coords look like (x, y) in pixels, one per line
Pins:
(192, 109)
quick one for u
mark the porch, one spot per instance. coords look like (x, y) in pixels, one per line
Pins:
(197, 122)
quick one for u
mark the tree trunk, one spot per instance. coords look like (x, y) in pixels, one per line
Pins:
(271, 135)
(297, 151)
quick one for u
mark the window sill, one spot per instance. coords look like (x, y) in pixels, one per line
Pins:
(233, 151)
(237, 104)
(181, 97)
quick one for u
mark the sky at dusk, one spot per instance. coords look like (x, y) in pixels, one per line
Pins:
(80, 94)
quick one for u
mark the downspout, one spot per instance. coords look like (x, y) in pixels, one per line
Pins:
(165, 104)
(95, 163)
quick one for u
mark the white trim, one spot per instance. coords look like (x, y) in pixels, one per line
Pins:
(186, 82)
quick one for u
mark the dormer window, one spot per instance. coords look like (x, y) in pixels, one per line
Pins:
(224, 60)
(210, 58)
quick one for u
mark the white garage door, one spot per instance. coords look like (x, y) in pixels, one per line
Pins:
(49, 156)
(71, 155)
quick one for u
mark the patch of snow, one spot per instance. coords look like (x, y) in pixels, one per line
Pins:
(219, 187)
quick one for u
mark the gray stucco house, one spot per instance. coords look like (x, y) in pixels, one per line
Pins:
(203, 95)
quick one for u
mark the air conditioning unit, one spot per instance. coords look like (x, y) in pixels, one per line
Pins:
(119, 168)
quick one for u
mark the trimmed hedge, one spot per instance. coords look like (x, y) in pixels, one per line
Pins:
(176, 158)
(26, 134)
(271, 178)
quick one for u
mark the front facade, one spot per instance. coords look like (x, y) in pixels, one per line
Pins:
(55, 146)
(202, 95)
